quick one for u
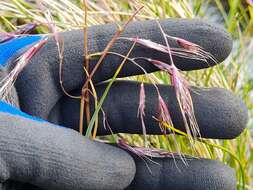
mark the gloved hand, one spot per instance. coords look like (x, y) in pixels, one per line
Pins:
(35, 148)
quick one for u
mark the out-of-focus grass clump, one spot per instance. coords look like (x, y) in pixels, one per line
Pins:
(234, 73)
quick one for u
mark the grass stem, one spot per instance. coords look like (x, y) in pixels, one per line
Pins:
(85, 103)
(109, 45)
(95, 115)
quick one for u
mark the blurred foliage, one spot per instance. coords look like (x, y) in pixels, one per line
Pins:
(234, 74)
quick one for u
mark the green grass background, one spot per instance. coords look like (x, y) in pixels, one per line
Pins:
(234, 74)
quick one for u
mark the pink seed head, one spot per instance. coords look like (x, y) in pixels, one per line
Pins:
(187, 44)
(185, 101)
(161, 65)
(147, 152)
(22, 61)
(31, 52)
(141, 110)
(142, 98)
(121, 143)
(176, 78)
(164, 114)
(4, 36)
(148, 44)
(26, 29)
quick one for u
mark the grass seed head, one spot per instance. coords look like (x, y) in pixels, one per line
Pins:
(187, 44)
(185, 101)
(26, 29)
(141, 112)
(164, 114)
(7, 82)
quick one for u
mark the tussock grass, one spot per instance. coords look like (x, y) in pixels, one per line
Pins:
(233, 74)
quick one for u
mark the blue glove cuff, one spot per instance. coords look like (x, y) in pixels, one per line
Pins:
(15, 47)
(6, 108)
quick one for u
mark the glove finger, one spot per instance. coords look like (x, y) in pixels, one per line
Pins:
(219, 113)
(211, 37)
(43, 70)
(52, 157)
(173, 174)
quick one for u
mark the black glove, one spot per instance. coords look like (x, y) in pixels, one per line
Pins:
(50, 156)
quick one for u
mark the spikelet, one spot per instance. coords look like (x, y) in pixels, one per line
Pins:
(7, 82)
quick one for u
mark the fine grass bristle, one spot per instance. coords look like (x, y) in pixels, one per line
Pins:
(7, 82)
